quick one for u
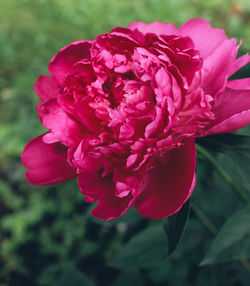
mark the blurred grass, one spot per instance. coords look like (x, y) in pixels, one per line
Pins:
(43, 229)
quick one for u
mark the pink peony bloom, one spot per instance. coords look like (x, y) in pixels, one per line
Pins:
(123, 112)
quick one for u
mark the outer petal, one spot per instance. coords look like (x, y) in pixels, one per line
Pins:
(239, 63)
(95, 187)
(231, 124)
(239, 84)
(62, 63)
(158, 28)
(232, 109)
(169, 185)
(205, 38)
(46, 88)
(47, 163)
(219, 55)
(217, 66)
(63, 127)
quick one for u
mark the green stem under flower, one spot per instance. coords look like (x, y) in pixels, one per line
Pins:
(204, 219)
(223, 174)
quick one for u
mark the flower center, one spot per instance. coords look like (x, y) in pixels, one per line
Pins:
(144, 100)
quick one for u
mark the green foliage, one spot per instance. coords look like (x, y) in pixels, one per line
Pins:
(142, 251)
(174, 226)
(233, 240)
(72, 276)
(47, 234)
(129, 278)
(237, 147)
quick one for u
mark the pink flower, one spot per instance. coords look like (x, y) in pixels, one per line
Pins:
(123, 112)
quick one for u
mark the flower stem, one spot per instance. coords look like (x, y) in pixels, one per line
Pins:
(223, 173)
(204, 219)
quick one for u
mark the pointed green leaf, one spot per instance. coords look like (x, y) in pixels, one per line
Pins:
(146, 249)
(72, 276)
(233, 240)
(129, 278)
(235, 146)
(174, 226)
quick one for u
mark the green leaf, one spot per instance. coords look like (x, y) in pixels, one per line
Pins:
(235, 146)
(233, 240)
(72, 276)
(129, 278)
(146, 249)
(174, 226)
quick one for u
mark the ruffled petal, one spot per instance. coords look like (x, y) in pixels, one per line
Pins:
(232, 109)
(46, 88)
(167, 187)
(62, 63)
(205, 38)
(102, 189)
(47, 163)
(158, 28)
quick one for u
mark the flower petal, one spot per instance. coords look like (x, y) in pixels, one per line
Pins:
(169, 185)
(240, 84)
(47, 163)
(205, 38)
(62, 63)
(64, 128)
(239, 63)
(95, 187)
(217, 67)
(158, 28)
(46, 88)
(219, 55)
(232, 109)
(231, 124)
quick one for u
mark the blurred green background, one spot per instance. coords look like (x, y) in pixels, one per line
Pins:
(47, 235)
